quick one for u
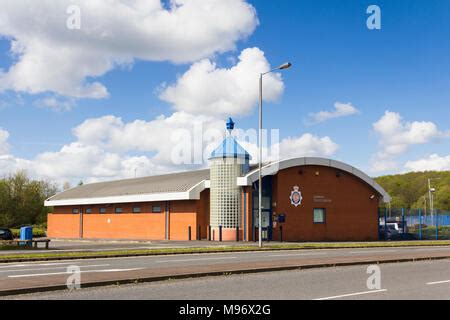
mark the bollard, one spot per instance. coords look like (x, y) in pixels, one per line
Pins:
(199, 234)
(281, 233)
(209, 233)
(220, 233)
(189, 233)
(237, 234)
(255, 232)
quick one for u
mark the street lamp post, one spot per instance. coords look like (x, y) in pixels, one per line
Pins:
(430, 194)
(282, 67)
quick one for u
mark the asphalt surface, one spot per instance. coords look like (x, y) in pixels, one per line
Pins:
(40, 274)
(416, 280)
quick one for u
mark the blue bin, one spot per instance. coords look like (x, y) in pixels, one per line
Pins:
(26, 233)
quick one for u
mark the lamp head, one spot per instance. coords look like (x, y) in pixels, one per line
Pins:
(287, 65)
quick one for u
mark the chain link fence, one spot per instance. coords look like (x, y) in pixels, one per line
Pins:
(413, 224)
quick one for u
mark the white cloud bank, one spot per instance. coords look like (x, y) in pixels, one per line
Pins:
(396, 136)
(340, 110)
(105, 148)
(49, 57)
(207, 89)
(4, 146)
(432, 163)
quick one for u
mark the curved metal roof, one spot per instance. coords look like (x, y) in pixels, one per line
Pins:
(185, 185)
(274, 167)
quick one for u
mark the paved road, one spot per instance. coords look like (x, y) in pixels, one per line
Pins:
(416, 280)
(38, 274)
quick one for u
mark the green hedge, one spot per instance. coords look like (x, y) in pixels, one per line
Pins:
(38, 232)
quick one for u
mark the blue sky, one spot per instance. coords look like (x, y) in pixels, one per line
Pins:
(403, 68)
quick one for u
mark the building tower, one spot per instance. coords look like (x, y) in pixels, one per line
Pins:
(228, 162)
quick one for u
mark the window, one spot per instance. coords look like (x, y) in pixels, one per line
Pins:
(102, 210)
(136, 209)
(75, 211)
(319, 215)
(156, 209)
(88, 210)
(118, 210)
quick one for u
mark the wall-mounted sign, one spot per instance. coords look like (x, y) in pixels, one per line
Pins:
(321, 199)
(296, 197)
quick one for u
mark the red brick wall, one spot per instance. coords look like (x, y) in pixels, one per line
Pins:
(127, 225)
(350, 214)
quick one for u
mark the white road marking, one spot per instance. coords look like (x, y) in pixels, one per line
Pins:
(33, 265)
(115, 270)
(372, 251)
(60, 273)
(13, 266)
(38, 269)
(297, 254)
(198, 259)
(432, 249)
(352, 294)
(438, 282)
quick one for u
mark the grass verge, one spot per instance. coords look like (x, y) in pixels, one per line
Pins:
(243, 248)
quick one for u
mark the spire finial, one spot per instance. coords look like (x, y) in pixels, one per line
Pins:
(230, 125)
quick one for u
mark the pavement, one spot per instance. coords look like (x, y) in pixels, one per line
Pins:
(426, 280)
(65, 246)
(39, 276)
(59, 246)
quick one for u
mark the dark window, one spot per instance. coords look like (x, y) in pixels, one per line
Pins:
(102, 210)
(75, 211)
(156, 209)
(319, 215)
(136, 209)
(118, 210)
(88, 210)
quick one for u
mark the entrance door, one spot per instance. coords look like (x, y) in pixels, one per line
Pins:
(266, 225)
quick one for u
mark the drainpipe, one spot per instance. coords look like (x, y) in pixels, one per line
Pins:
(167, 231)
(81, 222)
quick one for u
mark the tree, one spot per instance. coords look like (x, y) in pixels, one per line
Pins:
(22, 200)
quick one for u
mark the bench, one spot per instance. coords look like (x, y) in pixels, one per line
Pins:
(33, 242)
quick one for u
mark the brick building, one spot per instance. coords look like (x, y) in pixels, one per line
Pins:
(311, 199)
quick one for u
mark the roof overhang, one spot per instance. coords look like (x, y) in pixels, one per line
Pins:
(273, 168)
(192, 194)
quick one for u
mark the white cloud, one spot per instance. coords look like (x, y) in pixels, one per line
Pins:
(306, 145)
(108, 148)
(396, 136)
(55, 104)
(50, 57)
(433, 163)
(4, 146)
(112, 134)
(340, 110)
(208, 89)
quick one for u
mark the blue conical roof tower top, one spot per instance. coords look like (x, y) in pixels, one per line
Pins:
(230, 148)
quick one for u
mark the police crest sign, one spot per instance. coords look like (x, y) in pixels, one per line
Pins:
(296, 197)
